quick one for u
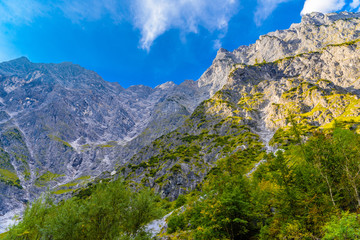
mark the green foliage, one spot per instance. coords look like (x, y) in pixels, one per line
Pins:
(10, 178)
(224, 136)
(309, 183)
(80, 181)
(57, 139)
(297, 194)
(343, 44)
(105, 145)
(33, 217)
(3, 235)
(180, 201)
(62, 191)
(176, 168)
(110, 211)
(345, 227)
(176, 222)
(223, 210)
(5, 161)
(47, 177)
(14, 134)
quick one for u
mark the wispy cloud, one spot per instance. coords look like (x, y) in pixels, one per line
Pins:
(151, 17)
(355, 4)
(217, 44)
(323, 6)
(155, 17)
(265, 8)
(92, 10)
(15, 13)
(20, 11)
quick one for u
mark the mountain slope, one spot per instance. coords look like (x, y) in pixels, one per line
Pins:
(62, 125)
(314, 89)
(59, 122)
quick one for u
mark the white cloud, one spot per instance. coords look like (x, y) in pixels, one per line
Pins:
(355, 4)
(265, 8)
(155, 17)
(217, 44)
(322, 6)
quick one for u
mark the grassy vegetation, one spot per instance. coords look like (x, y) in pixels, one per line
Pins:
(5, 161)
(73, 185)
(83, 178)
(70, 184)
(14, 134)
(46, 178)
(333, 109)
(62, 191)
(251, 102)
(349, 43)
(10, 178)
(105, 146)
(3, 235)
(192, 149)
(57, 139)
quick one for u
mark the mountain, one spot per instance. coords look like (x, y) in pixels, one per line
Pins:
(255, 105)
(62, 125)
(60, 122)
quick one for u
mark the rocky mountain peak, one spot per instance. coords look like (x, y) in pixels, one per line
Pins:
(315, 32)
(16, 66)
(166, 85)
(20, 60)
(317, 18)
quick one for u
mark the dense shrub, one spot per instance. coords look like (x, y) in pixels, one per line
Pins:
(111, 211)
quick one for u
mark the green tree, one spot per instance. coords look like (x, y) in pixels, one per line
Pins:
(110, 211)
(345, 227)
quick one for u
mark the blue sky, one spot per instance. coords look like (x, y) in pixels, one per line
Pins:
(144, 41)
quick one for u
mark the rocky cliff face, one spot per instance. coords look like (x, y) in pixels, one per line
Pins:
(259, 99)
(315, 32)
(61, 125)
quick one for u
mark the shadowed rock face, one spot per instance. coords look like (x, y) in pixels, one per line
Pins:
(66, 120)
(59, 122)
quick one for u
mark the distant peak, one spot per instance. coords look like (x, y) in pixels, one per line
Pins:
(67, 63)
(222, 50)
(223, 53)
(166, 85)
(318, 18)
(20, 60)
(19, 66)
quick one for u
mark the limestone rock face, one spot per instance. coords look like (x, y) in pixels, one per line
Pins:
(315, 32)
(62, 125)
(310, 78)
(59, 122)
